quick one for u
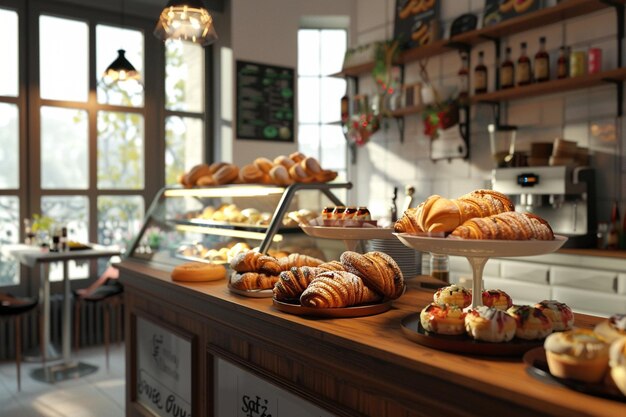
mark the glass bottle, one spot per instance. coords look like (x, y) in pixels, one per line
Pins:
(614, 228)
(29, 236)
(562, 64)
(542, 62)
(507, 71)
(523, 67)
(439, 267)
(480, 75)
(463, 78)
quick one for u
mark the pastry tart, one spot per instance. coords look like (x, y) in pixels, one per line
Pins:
(443, 319)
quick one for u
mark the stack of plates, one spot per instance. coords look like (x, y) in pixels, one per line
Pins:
(409, 260)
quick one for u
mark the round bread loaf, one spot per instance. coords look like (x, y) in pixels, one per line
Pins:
(226, 174)
(264, 164)
(198, 272)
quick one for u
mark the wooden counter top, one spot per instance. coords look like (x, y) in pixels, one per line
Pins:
(374, 350)
(619, 254)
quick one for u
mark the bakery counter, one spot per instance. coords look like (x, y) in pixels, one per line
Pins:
(226, 355)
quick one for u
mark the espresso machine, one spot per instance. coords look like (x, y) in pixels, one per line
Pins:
(562, 195)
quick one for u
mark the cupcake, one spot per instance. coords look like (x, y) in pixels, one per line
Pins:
(560, 314)
(443, 319)
(578, 354)
(617, 363)
(497, 299)
(532, 324)
(490, 324)
(613, 328)
(453, 295)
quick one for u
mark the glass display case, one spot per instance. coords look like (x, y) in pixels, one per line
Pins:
(212, 224)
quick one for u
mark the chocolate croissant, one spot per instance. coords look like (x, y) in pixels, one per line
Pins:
(292, 283)
(251, 261)
(334, 289)
(253, 281)
(378, 270)
(298, 260)
(510, 225)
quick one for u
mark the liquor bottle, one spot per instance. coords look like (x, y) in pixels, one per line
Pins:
(542, 62)
(614, 228)
(480, 75)
(523, 67)
(463, 79)
(507, 71)
(562, 64)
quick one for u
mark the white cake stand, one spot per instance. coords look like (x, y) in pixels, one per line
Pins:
(478, 252)
(350, 235)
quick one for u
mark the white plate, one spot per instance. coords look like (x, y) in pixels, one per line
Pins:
(252, 293)
(481, 248)
(348, 233)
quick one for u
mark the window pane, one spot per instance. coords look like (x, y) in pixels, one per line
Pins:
(9, 233)
(72, 212)
(334, 48)
(309, 140)
(184, 77)
(8, 52)
(108, 40)
(333, 148)
(309, 52)
(64, 149)
(120, 150)
(308, 100)
(332, 89)
(184, 146)
(9, 146)
(119, 219)
(63, 44)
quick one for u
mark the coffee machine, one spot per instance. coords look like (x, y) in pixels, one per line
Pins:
(562, 195)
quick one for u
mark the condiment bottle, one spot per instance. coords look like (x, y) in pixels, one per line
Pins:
(614, 228)
(463, 78)
(507, 71)
(542, 62)
(439, 268)
(480, 75)
(562, 64)
(523, 67)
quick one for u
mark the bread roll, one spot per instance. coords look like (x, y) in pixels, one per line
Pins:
(284, 161)
(264, 164)
(280, 176)
(297, 157)
(226, 174)
(311, 166)
(194, 173)
(325, 175)
(251, 174)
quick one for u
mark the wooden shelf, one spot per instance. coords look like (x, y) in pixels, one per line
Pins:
(436, 48)
(355, 70)
(552, 87)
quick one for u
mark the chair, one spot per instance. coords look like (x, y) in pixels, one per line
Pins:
(110, 294)
(12, 308)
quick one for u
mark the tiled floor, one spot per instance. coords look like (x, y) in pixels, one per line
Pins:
(100, 394)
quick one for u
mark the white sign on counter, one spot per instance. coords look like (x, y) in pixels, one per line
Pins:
(239, 393)
(163, 370)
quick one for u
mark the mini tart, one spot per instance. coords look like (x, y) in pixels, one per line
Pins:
(443, 319)
(453, 295)
(497, 299)
(490, 324)
(532, 324)
(561, 315)
(613, 328)
(578, 354)
(617, 362)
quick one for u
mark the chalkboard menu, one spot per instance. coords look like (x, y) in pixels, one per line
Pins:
(265, 102)
(416, 22)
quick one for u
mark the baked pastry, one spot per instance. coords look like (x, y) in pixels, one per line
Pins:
(264, 164)
(560, 314)
(226, 174)
(490, 324)
(617, 363)
(298, 174)
(332, 266)
(251, 261)
(378, 270)
(297, 259)
(613, 328)
(292, 283)
(532, 324)
(578, 354)
(506, 226)
(284, 161)
(408, 222)
(280, 175)
(325, 175)
(205, 180)
(200, 170)
(497, 299)
(443, 319)
(253, 281)
(453, 295)
(311, 166)
(335, 289)
(251, 174)
(297, 156)
(198, 271)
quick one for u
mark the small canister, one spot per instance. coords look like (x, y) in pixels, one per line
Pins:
(594, 61)
(577, 65)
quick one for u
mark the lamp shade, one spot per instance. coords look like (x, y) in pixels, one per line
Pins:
(120, 69)
(186, 20)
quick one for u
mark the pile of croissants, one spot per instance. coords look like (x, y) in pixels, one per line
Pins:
(355, 279)
(283, 171)
(481, 214)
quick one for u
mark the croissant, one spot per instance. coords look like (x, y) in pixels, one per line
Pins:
(332, 266)
(510, 225)
(408, 222)
(378, 270)
(292, 283)
(297, 260)
(334, 289)
(251, 261)
(253, 281)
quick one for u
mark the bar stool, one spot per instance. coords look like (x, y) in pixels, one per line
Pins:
(111, 295)
(12, 308)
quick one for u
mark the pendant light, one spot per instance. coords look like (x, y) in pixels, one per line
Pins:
(120, 69)
(186, 20)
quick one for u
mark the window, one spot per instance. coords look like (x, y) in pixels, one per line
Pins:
(320, 54)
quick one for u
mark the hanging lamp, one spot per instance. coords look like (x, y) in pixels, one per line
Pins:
(120, 70)
(186, 20)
